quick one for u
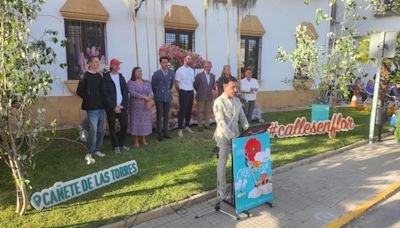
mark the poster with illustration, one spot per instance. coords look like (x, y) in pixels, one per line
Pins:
(252, 171)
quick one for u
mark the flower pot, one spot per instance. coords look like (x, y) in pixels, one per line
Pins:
(72, 85)
(391, 110)
(302, 84)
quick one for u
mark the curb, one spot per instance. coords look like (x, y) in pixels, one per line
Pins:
(360, 210)
(173, 207)
(163, 210)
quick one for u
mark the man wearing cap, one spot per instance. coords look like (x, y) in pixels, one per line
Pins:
(115, 94)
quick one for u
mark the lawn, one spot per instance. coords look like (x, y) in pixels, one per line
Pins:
(169, 171)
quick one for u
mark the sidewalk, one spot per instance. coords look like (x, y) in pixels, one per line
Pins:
(311, 195)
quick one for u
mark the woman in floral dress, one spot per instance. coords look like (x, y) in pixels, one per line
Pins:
(140, 106)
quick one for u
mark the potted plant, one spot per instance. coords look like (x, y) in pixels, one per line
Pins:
(304, 59)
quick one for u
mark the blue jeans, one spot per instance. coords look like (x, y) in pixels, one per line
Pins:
(96, 130)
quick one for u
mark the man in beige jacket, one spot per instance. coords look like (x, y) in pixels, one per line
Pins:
(228, 113)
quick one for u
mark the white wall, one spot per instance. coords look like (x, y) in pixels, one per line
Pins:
(51, 19)
(278, 18)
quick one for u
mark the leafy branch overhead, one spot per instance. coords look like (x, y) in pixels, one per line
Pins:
(304, 58)
(343, 59)
(244, 5)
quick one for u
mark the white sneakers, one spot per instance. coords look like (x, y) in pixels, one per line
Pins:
(98, 153)
(124, 148)
(89, 159)
(188, 130)
(180, 132)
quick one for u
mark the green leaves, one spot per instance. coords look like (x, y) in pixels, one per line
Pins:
(243, 4)
(343, 58)
(383, 8)
(321, 16)
(22, 81)
(305, 58)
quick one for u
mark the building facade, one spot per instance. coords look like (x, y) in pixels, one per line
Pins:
(108, 25)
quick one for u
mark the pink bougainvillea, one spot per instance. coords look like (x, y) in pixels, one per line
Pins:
(83, 58)
(177, 54)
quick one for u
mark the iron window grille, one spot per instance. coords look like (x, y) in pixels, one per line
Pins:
(250, 54)
(82, 35)
(181, 38)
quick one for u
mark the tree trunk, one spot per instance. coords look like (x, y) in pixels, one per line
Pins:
(384, 82)
(22, 195)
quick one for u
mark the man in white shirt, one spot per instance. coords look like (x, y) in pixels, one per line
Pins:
(184, 78)
(228, 113)
(249, 87)
(115, 93)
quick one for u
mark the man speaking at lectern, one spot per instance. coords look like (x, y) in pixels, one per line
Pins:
(228, 113)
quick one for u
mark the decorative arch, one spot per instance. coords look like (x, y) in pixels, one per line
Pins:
(251, 26)
(87, 10)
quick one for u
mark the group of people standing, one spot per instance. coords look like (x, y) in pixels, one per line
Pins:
(112, 95)
(360, 91)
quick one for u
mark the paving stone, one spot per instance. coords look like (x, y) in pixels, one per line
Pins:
(309, 195)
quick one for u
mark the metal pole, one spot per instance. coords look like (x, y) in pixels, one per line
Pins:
(155, 30)
(375, 97)
(148, 36)
(162, 22)
(134, 28)
(228, 8)
(206, 28)
(238, 41)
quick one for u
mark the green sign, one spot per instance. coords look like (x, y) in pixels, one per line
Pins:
(62, 192)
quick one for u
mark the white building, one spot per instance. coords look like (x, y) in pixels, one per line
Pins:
(109, 24)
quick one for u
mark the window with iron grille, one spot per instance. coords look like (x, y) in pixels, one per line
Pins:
(83, 35)
(250, 54)
(181, 38)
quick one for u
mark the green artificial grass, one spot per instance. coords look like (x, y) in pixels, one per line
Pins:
(168, 172)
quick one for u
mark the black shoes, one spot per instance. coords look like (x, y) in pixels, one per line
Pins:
(161, 137)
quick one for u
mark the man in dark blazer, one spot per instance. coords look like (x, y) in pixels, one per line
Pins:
(162, 82)
(115, 93)
(204, 84)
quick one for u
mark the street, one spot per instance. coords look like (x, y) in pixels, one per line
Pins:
(386, 214)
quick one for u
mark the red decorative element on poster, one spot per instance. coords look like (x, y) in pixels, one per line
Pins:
(252, 147)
